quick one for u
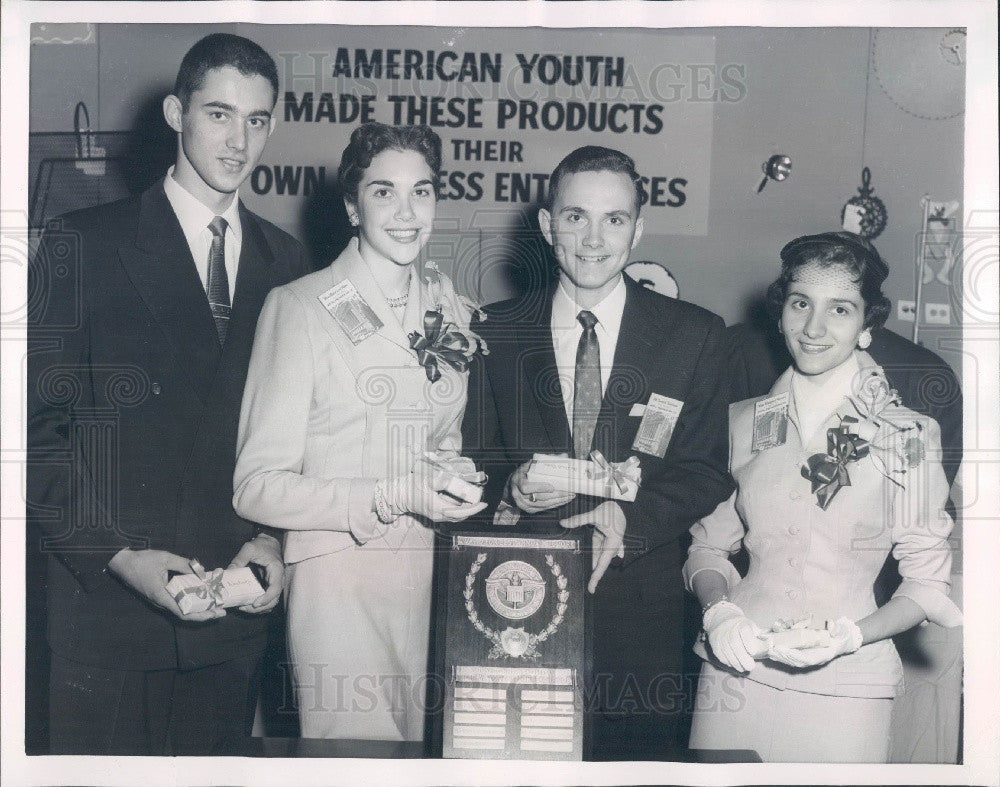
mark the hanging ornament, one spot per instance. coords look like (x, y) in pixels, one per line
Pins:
(864, 214)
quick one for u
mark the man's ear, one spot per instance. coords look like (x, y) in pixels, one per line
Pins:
(272, 123)
(638, 232)
(173, 112)
(545, 225)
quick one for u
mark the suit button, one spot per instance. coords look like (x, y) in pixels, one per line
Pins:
(793, 562)
(794, 530)
(794, 495)
(792, 593)
(156, 389)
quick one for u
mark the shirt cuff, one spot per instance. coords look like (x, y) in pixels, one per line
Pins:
(702, 561)
(936, 605)
(362, 521)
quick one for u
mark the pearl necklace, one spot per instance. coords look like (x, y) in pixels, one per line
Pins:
(400, 301)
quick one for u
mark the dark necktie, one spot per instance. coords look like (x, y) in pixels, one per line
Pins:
(218, 280)
(587, 393)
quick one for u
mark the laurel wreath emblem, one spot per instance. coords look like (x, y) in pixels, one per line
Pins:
(504, 642)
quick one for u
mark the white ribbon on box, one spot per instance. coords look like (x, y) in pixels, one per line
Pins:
(595, 476)
(455, 475)
(230, 587)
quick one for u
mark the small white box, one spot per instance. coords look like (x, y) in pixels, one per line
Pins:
(584, 477)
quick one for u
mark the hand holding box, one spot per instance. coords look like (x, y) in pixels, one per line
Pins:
(455, 476)
(231, 587)
(594, 476)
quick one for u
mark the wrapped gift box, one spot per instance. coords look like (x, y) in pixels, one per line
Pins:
(231, 587)
(594, 476)
(455, 476)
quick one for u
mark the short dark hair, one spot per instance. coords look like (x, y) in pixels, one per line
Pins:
(594, 158)
(370, 139)
(836, 248)
(219, 50)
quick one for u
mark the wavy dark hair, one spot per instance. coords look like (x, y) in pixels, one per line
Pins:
(370, 139)
(594, 158)
(835, 248)
(218, 51)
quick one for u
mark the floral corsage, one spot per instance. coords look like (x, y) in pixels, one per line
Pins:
(882, 429)
(446, 338)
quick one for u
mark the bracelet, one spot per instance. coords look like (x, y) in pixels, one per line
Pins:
(711, 604)
(382, 508)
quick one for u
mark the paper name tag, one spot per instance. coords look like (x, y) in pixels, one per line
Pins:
(770, 422)
(657, 425)
(350, 310)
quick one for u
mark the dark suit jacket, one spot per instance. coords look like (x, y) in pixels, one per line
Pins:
(132, 415)
(926, 384)
(515, 409)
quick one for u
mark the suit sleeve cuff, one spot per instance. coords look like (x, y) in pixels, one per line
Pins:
(936, 605)
(362, 521)
(90, 569)
(703, 561)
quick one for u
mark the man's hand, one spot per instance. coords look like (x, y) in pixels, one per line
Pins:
(533, 497)
(145, 572)
(263, 551)
(608, 520)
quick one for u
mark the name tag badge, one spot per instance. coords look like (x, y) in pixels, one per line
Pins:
(349, 309)
(657, 425)
(770, 422)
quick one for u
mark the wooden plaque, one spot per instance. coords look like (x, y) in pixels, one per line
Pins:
(514, 647)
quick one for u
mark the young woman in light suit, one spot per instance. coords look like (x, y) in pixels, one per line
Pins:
(833, 479)
(337, 413)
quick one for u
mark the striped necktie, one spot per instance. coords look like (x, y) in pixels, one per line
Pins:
(218, 280)
(587, 394)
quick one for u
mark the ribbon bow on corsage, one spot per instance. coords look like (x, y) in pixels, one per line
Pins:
(443, 342)
(828, 472)
(617, 474)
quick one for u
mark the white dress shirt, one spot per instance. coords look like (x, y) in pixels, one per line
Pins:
(567, 330)
(194, 218)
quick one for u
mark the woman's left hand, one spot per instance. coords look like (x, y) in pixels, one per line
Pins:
(845, 638)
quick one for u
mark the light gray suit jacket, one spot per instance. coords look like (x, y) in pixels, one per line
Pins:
(323, 418)
(805, 559)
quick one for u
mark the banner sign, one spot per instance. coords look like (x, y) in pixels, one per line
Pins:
(508, 105)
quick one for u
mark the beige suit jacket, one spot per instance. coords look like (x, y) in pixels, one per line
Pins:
(807, 560)
(324, 418)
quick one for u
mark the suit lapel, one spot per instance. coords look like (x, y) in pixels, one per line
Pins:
(541, 374)
(350, 265)
(254, 281)
(630, 383)
(160, 267)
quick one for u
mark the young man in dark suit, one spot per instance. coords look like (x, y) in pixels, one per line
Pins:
(138, 354)
(597, 361)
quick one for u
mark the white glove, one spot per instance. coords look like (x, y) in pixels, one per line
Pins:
(845, 637)
(415, 493)
(733, 637)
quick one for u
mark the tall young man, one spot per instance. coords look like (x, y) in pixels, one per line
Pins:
(599, 362)
(135, 376)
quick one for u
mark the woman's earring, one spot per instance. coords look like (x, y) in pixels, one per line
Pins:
(865, 339)
(354, 220)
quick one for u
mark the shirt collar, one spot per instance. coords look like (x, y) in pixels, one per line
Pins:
(817, 402)
(608, 311)
(194, 216)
